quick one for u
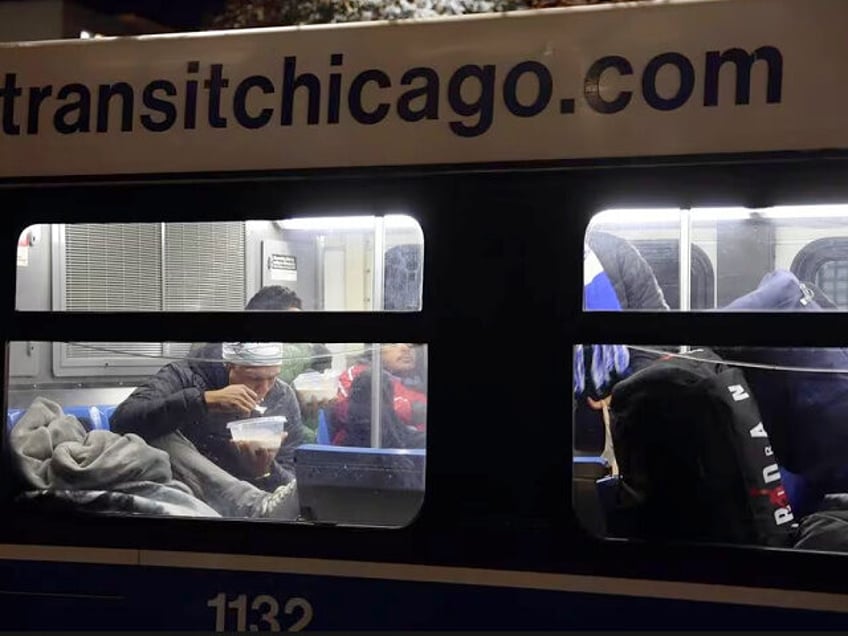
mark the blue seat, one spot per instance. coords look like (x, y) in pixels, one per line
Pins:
(806, 495)
(591, 467)
(12, 417)
(608, 492)
(323, 431)
(90, 416)
(99, 419)
(93, 418)
(106, 411)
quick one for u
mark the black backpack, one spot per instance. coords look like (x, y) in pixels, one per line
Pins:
(695, 460)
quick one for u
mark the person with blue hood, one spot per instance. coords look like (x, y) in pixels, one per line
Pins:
(601, 362)
(805, 413)
(615, 278)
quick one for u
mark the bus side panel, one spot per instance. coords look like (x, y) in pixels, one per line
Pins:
(40, 595)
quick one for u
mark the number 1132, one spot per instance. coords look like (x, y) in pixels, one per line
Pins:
(262, 612)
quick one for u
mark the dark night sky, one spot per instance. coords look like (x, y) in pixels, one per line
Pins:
(179, 14)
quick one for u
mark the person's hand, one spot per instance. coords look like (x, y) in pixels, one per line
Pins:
(235, 397)
(256, 458)
(599, 404)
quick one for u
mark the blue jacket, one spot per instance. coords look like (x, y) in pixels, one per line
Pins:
(805, 414)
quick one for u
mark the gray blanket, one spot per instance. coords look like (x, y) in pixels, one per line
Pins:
(56, 457)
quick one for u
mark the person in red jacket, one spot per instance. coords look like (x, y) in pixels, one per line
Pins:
(404, 400)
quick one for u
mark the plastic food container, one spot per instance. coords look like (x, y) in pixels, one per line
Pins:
(259, 433)
(318, 386)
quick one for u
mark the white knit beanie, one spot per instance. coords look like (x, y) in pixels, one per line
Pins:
(253, 354)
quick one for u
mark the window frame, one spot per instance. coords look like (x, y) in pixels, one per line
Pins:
(814, 255)
(702, 275)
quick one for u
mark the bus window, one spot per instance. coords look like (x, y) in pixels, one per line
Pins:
(724, 444)
(711, 443)
(238, 441)
(719, 256)
(825, 261)
(324, 263)
(331, 263)
(617, 246)
(327, 432)
(832, 279)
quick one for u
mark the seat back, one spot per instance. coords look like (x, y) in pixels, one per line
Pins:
(323, 431)
(587, 472)
(353, 485)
